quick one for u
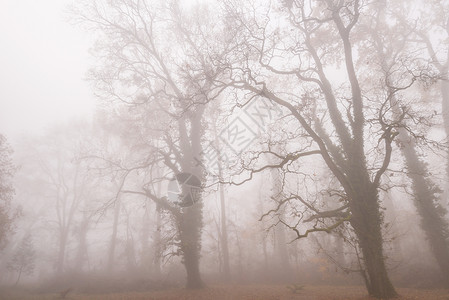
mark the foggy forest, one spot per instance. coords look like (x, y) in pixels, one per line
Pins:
(282, 149)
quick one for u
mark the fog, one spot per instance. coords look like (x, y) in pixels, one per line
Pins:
(220, 149)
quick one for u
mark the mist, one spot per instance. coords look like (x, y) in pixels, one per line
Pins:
(218, 149)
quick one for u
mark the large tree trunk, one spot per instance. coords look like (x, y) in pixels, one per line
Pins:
(190, 224)
(190, 220)
(366, 221)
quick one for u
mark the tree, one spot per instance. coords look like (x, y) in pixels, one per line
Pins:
(7, 169)
(342, 118)
(58, 182)
(425, 193)
(432, 31)
(155, 70)
(23, 260)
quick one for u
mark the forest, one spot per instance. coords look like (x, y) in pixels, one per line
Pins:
(283, 149)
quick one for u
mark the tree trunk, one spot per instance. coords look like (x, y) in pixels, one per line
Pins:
(145, 255)
(18, 277)
(432, 219)
(224, 237)
(224, 229)
(445, 112)
(61, 252)
(280, 242)
(223, 226)
(157, 242)
(366, 220)
(339, 250)
(82, 244)
(391, 218)
(190, 223)
(112, 243)
(190, 219)
(262, 227)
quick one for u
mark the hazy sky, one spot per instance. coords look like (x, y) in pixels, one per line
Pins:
(43, 60)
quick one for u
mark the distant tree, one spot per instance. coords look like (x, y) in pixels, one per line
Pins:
(60, 182)
(7, 169)
(23, 260)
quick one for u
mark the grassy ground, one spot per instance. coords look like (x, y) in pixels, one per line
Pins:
(247, 292)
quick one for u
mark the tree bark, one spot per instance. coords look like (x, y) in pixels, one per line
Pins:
(112, 243)
(366, 221)
(190, 223)
(190, 220)
(157, 257)
(432, 219)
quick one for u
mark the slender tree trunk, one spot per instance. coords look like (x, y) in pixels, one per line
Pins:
(223, 226)
(224, 229)
(18, 277)
(279, 230)
(82, 244)
(157, 235)
(158, 242)
(445, 99)
(432, 219)
(130, 246)
(113, 241)
(264, 241)
(445, 111)
(61, 252)
(339, 250)
(145, 255)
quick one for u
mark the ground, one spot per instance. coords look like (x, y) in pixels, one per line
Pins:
(246, 292)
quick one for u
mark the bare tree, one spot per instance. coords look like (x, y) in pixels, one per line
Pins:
(158, 70)
(394, 48)
(23, 260)
(7, 213)
(342, 118)
(54, 168)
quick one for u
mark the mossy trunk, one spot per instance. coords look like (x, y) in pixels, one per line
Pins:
(190, 224)
(433, 222)
(366, 221)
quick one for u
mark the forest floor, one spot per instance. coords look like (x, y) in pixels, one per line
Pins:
(231, 292)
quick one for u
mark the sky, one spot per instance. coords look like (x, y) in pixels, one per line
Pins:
(43, 62)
